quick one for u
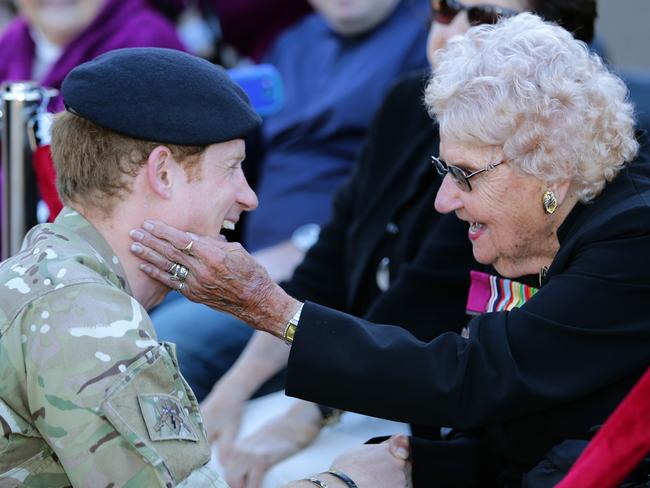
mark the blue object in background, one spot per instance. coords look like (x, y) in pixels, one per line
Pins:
(263, 85)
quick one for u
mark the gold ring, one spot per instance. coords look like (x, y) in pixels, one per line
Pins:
(188, 249)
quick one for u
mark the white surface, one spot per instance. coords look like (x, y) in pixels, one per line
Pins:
(353, 430)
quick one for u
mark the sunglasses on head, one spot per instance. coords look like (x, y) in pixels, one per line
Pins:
(444, 12)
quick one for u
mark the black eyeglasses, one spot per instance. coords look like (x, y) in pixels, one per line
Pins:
(459, 175)
(444, 12)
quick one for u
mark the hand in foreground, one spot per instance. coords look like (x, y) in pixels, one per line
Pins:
(221, 275)
(378, 465)
(250, 458)
(382, 465)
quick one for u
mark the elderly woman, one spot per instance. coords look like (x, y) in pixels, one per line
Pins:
(535, 136)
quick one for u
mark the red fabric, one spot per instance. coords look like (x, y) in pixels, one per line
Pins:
(621, 443)
(46, 178)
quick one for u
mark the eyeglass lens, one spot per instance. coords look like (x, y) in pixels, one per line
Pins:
(459, 176)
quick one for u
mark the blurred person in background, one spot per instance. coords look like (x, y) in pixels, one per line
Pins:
(49, 38)
(335, 79)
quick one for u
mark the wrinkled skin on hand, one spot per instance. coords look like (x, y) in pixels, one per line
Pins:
(247, 462)
(382, 465)
(222, 275)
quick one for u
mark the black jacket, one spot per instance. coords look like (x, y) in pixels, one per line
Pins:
(527, 379)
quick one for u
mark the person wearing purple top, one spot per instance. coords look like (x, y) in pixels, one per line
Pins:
(29, 39)
(47, 40)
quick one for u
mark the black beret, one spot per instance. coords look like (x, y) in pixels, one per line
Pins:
(160, 95)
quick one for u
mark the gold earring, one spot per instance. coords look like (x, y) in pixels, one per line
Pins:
(549, 200)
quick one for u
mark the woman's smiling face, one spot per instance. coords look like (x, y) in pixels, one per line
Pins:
(508, 227)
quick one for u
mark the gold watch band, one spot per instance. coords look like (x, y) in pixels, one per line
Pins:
(292, 325)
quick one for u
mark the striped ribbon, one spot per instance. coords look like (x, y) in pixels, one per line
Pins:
(490, 293)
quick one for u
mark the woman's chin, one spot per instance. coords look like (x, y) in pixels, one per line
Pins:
(511, 270)
(505, 268)
(482, 257)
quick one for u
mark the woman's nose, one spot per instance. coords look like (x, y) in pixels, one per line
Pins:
(448, 198)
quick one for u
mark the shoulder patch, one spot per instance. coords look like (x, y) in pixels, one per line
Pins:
(165, 417)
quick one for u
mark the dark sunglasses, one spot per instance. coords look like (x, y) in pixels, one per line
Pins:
(444, 12)
(460, 176)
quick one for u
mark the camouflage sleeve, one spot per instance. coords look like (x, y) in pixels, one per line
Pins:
(106, 396)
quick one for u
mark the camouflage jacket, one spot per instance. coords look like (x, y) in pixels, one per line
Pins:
(88, 397)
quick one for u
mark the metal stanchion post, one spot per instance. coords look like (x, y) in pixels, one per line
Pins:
(21, 103)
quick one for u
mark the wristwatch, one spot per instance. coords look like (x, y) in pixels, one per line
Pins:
(290, 328)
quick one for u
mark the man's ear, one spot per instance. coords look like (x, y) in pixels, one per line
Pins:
(160, 172)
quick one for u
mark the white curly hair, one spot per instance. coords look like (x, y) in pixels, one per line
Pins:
(530, 87)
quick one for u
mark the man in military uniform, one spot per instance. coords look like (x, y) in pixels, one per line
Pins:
(88, 397)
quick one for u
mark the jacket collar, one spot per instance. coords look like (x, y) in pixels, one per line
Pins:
(75, 222)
